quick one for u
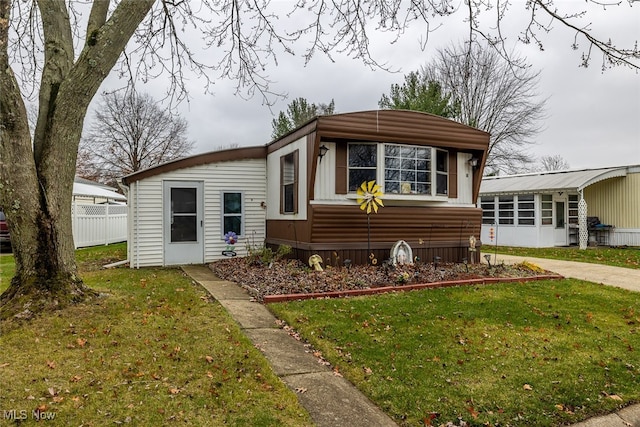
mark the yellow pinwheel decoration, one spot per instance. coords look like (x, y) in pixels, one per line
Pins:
(369, 196)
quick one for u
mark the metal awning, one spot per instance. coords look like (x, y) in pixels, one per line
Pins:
(542, 182)
(86, 190)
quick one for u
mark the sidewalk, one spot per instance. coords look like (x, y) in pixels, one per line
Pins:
(331, 400)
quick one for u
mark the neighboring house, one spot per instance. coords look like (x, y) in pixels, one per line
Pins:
(99, 214)
(300, 190)
(599, 206)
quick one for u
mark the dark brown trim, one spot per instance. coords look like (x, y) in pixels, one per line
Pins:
(453, 174)
(341, 168)
(199, 159)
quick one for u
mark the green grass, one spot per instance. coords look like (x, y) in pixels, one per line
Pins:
(618, 257)
(542, 353)
(153, 350)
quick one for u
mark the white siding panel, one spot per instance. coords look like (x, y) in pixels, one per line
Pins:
(325, 185)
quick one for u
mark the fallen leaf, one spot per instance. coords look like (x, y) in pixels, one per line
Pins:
(4, 365)
(51, 364)
(75, 378)
(527, 387)
(209, 359)
(81, 342)
(52, 391)
(301, 390)
(367, 371)
(615, 397)
(174, 390)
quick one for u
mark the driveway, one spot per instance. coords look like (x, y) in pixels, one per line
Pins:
(626, 278)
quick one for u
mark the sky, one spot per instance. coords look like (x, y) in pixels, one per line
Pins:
(593, 117)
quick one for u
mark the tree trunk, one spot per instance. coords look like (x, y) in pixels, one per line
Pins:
(36, 179)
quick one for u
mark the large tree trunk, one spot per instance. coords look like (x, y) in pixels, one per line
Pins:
(36, 181)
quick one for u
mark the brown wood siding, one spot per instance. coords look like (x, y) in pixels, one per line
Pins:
(430, 231)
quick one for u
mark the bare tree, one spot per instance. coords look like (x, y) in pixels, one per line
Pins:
(131, 132)
(38, 55)
(298, 112)
(553, 163)
(491, 95)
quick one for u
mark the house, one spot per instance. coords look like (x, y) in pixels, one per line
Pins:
(98, 214)
(300, 190)
(579, 207)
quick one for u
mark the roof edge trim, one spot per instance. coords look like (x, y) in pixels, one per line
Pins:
(242, 153)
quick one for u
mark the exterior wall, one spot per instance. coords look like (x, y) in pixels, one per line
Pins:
(146, 209)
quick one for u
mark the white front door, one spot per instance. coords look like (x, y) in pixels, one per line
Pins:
(560, 232)
(183, 222)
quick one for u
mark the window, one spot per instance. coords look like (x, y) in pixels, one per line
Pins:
(442, 172)
(505, 210)
(526, 210)
(232, 213)
(289, 183)
(404, 169)
(407, 169)
(488, 205)
(363, 164)
(547, 209)
(573, 208)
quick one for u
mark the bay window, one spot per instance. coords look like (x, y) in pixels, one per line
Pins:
(404, 169)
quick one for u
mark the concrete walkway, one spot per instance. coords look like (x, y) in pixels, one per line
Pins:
(620, 277)
(331, 400)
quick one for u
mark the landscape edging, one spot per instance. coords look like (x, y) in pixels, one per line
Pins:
(268, 299)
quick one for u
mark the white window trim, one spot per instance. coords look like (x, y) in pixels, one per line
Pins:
(223, 215)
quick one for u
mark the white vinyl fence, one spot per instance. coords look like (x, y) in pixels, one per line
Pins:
(95, 225)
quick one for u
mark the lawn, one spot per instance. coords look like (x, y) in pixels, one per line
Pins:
(154, 349)
(618, 257)
(541, 353)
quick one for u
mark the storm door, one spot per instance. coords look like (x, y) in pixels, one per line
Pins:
(561, 235)
(183, 222)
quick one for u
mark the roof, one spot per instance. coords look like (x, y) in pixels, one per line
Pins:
(88, 190)
(400, 126)
(573, 180)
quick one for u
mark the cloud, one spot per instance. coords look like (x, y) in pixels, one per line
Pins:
(593, 116)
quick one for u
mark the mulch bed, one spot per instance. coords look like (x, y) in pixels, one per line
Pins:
(292, 279)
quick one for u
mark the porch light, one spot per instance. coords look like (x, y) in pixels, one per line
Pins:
(473, 162)
(323, 151)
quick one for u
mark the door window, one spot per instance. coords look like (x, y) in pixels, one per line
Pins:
(184, 215)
